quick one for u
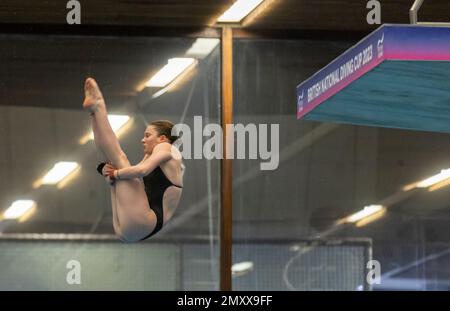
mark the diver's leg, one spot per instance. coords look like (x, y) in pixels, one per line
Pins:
(104, 136)
(131, 212)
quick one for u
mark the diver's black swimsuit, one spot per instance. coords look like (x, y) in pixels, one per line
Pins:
(155, 184)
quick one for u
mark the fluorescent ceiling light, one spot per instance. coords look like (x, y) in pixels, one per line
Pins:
(241, 268)
(18, 209)
(366, 212)
(59, 172)
(202, 47)
(117, 121)
(443, 175)
(239, 10)
(439, 185)
(371, 218)
(174, 68)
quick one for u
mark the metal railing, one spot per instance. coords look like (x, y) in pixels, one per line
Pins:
(413, 16)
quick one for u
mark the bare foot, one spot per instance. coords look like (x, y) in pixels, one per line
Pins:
(93, 96)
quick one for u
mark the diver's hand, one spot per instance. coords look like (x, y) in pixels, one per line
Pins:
(107, 169)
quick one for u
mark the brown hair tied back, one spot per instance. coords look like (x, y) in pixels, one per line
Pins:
(164, 127)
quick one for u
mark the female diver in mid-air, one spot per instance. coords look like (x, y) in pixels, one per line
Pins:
(144, 196)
